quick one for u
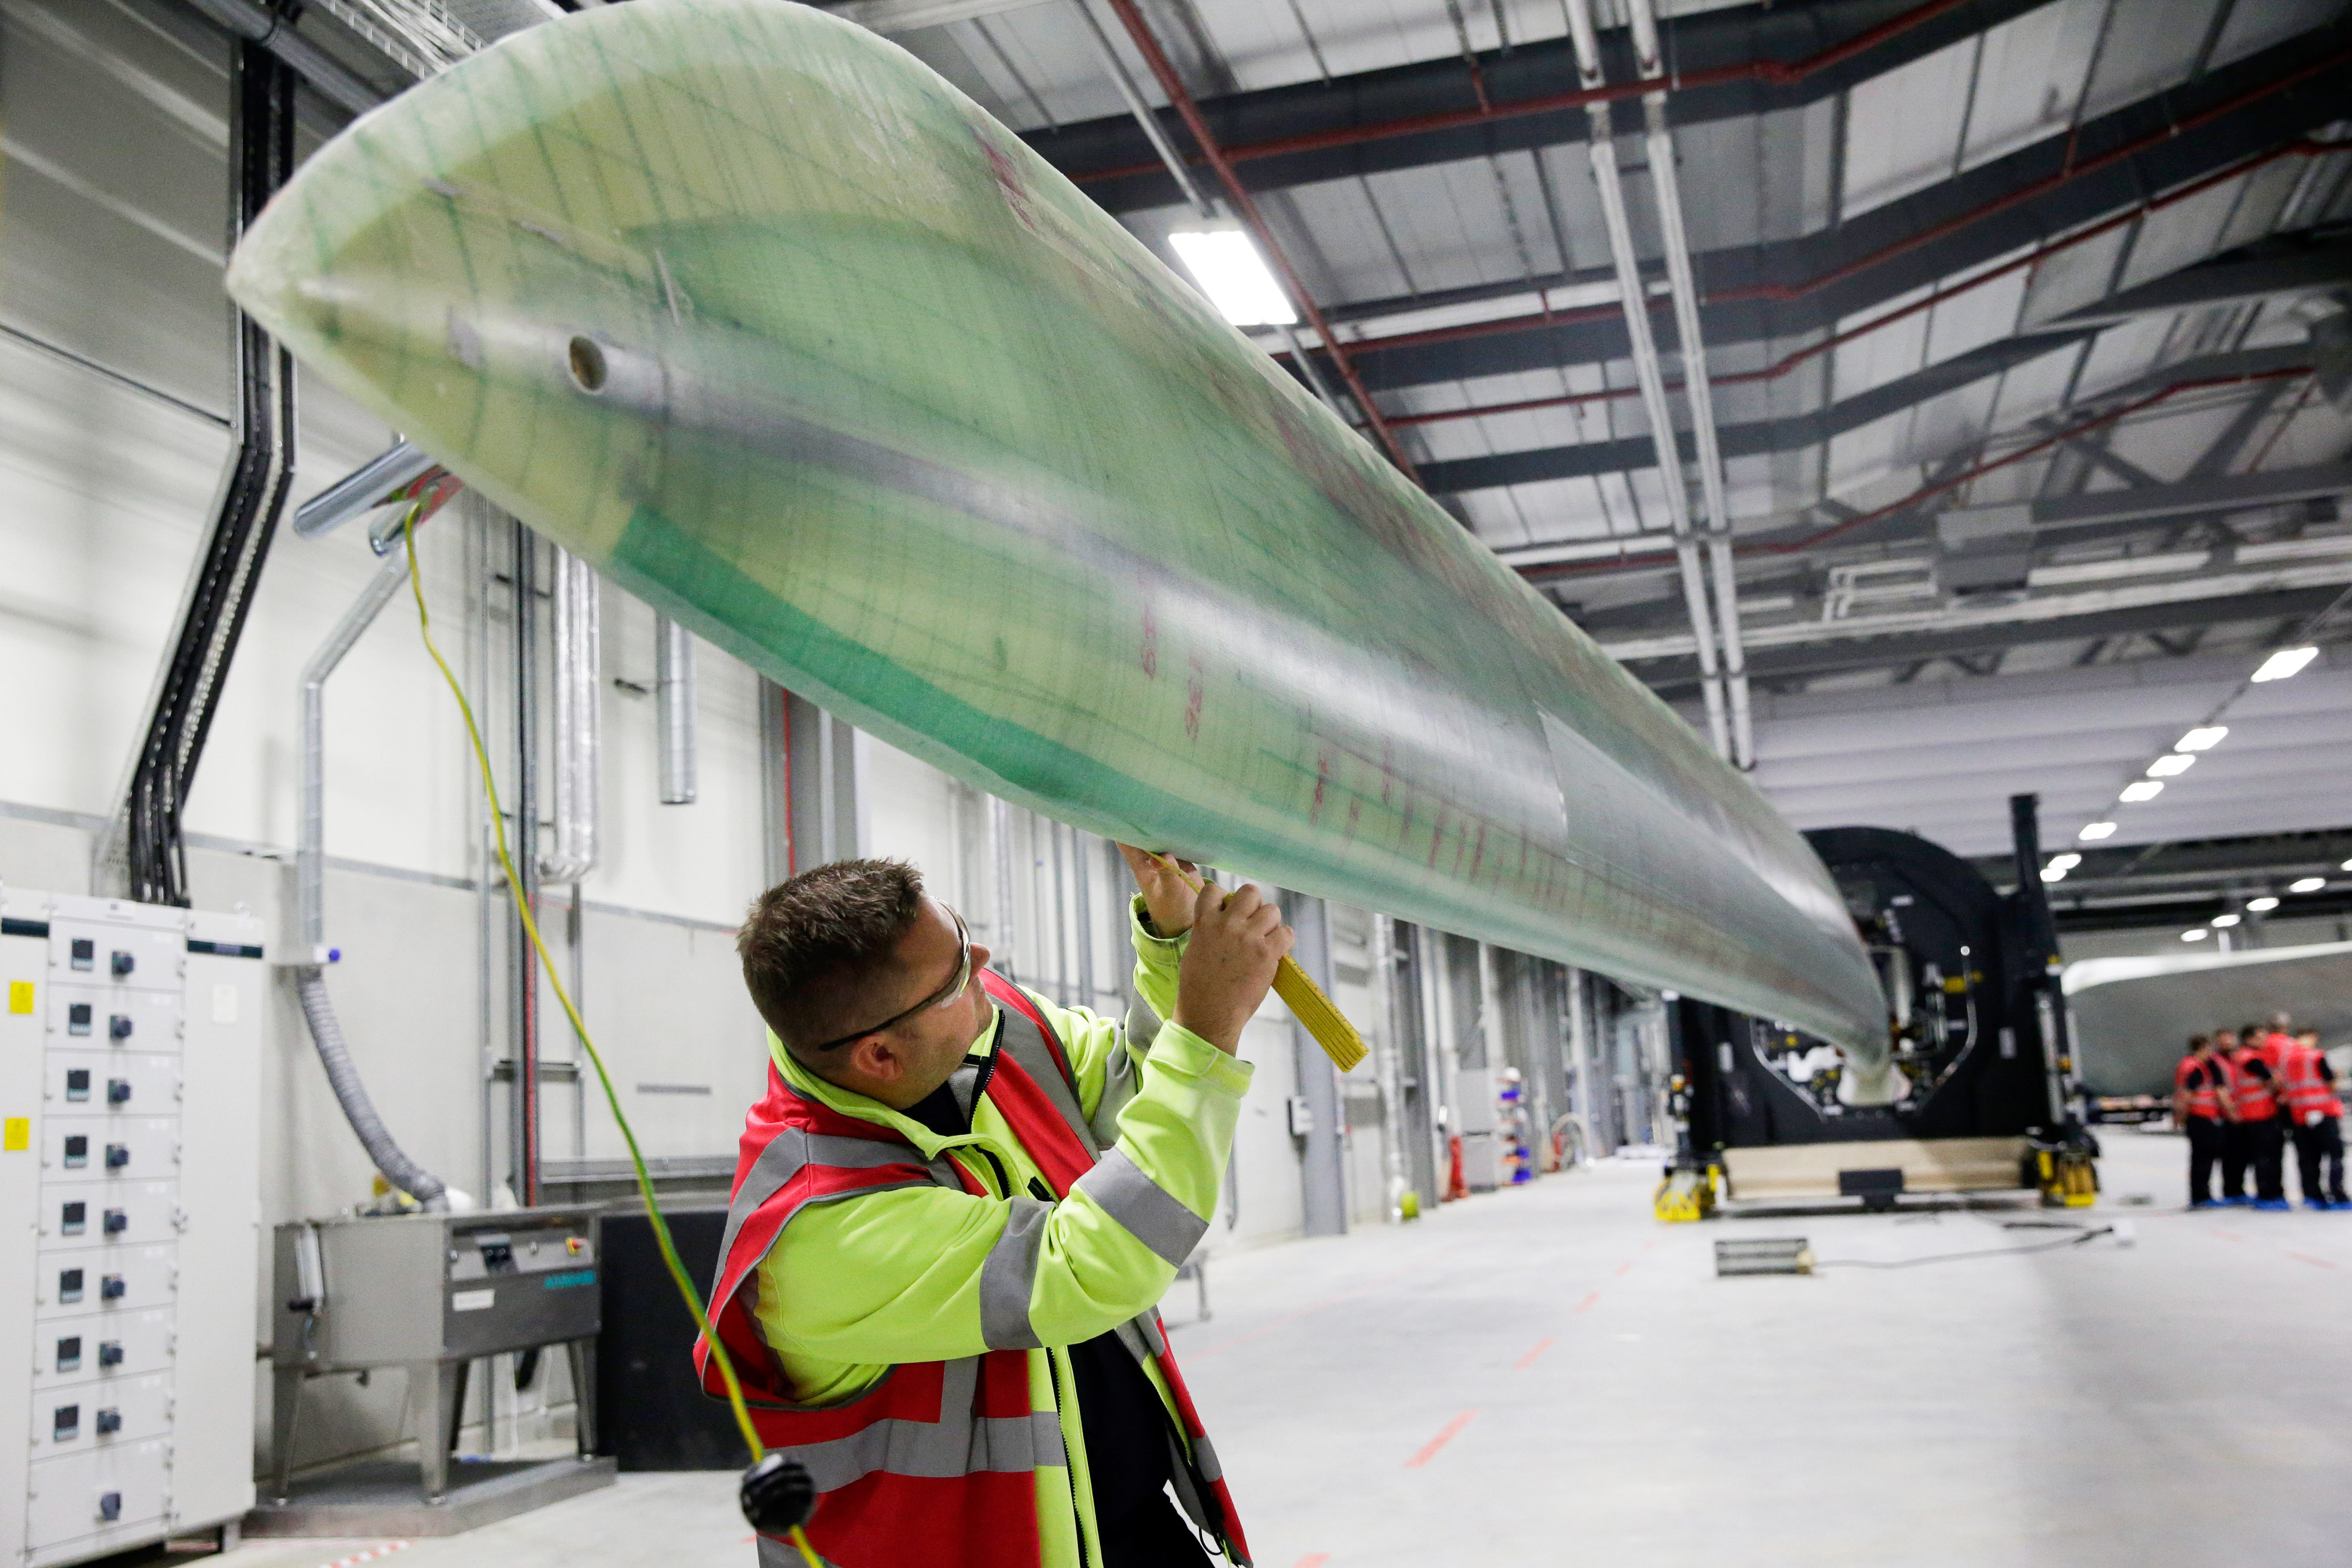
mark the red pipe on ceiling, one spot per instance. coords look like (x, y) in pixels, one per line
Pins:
(1925, 492)
(1784, 292)
(1173, 85)
(2306, 148)
(1777, 72)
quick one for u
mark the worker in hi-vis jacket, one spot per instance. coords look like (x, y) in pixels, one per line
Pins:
(955, 1210)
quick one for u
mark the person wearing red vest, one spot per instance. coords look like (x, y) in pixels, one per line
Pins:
(2258, 1136)
(2314, 1120)
(2200, 1101)
(954, 1213)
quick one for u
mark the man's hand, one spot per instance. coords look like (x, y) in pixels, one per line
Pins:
(1168, 896)
(1237, 941)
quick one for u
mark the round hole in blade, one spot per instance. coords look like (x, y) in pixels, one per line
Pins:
(587, 365)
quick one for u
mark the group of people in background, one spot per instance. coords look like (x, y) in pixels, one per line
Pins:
(2243, 1095)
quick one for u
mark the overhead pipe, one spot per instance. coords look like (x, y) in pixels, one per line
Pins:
(260, 26)
(1198, 199)
(1930, 491)
(2307, 147)
(1789, 293)
(377, 482)
(1685, 291)
(1139, 32)
(1775, 73)
(1633, 298)
(577, 635)
(674, 710)
(310, 900)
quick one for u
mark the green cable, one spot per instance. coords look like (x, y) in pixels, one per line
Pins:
(611, 1097)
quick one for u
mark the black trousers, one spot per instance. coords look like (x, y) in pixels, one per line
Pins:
(2320, 1150)
(2205, 1140)
(2256, 1146)
(1153, 1536)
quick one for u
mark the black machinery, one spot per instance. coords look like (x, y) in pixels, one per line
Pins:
(1983, 1092)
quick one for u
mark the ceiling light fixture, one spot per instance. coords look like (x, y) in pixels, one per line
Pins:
(2196, 936)
(2262, 906)
(2142, 789)
(2167, 767)
(2095, 831)
(2053, 872)
(2066, 861)
(2225, 921)
(2284, 662)
(2306, 884)
(1227, 267)
(2204, 737)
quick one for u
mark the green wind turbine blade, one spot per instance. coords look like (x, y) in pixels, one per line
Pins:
(751, 309)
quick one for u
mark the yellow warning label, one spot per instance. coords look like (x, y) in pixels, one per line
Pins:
(16, 1135)
(20, 995)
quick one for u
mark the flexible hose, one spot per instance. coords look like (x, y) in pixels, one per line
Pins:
(398, 1169)
(678, 1274)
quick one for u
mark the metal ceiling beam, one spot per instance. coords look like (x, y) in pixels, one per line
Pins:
(1674, 676)
(1792, 536)
(2185, 862)
(1727, 64)
(2218, 494)
(1792, 433)
(2265, 107)
(2305, 261)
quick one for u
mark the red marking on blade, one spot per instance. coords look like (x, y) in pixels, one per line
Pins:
(1530, 1359)
(1452, 1430)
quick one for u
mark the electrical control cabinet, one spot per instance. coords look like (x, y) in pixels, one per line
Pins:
(130, 1222)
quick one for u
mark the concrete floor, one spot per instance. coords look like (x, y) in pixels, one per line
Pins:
(1547, 1377)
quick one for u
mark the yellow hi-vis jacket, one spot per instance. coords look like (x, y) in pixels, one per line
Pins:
(921, 1272)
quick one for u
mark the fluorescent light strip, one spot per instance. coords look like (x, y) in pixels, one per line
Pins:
(1234, 276)
(2287, 661)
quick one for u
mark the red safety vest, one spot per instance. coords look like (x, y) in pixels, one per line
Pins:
(2307, 1091)
(2256, 1097)
(2204, 1098)
(936, 1463)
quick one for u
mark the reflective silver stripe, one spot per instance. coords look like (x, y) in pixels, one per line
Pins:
(1143, 1208)
(957, 1444)
(1204, 1459)
(791, 1151)
(1148, 1324)
(1009, 1276)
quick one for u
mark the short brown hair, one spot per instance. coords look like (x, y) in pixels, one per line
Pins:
(810, 945)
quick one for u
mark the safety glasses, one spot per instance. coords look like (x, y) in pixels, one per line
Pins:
(955, 987)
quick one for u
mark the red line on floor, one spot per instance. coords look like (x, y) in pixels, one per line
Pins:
(1452, 1430)
(1585, 1304)
(1530, 1359)
(1314, 1560)
(369, 1555)
(1625, 1270)
(1225, 1344)
(2224, 1235)
(2307, 1257)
